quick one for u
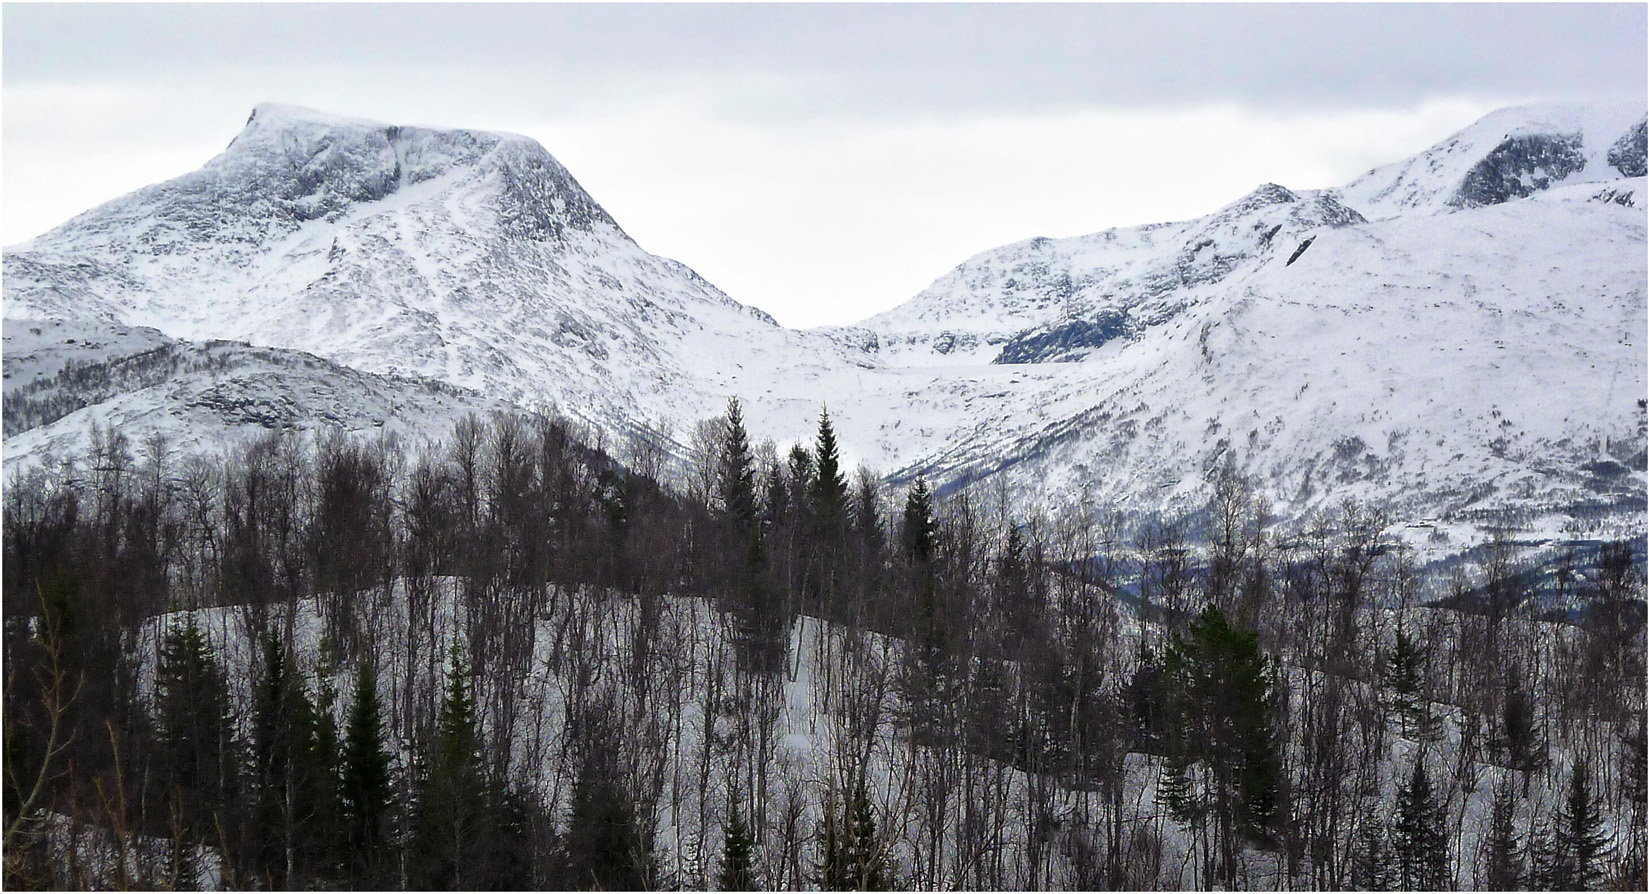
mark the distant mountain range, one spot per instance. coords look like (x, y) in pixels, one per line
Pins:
(1452, 335)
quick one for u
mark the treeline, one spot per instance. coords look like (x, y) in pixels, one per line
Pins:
(510, 661)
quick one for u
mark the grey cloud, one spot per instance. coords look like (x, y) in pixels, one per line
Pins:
(892, 59)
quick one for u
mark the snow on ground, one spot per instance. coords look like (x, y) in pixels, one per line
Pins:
(1443, 361)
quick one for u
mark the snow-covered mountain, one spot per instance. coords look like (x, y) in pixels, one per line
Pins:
(1509, 154)
(65, 378)
(1454, 333)
(470, 257)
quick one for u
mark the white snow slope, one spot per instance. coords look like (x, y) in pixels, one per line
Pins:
(1460, 332)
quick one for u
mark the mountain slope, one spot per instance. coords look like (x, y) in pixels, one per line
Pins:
(64, 379)
(1509, 154)
(1454, 333)
(466, 256)
(1447, 364)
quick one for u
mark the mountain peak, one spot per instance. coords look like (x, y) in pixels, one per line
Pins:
(1508, 154)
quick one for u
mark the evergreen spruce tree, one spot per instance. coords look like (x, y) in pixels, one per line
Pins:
(758, 611)
(865, 863)
(830, 486)
(1503, 862)
(365, 786)
(1579, 843)
(736, 476)
(1371, 859)
(1546, 872)
(199, 757)
(1013, 593)
(293, 766)
(1222, 704)
(604, 847)
(931, 676)
(736, 872)
(324, 832)
(828, 505)
(1519, 737)
(1402, 679)
(509, 848)
(1418, 841)
(451, 799)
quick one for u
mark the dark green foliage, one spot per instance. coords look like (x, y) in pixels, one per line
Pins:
(920, 533)
(828, 511)
(1502, 856)
(198, 753)
(1579, 845)
(294, 751)
(1418, 846)
(829, 486)
(1372, 859)
(852, 857)
(1017, 598)
(932, 675)
(450, 810)
(735, 872)
(1519, 738)
(1148, 701)
(736, 476)
(1402, 680)
(1222, 702)
(605, 847)
(863, 858)
(760, 619)
(364, 786)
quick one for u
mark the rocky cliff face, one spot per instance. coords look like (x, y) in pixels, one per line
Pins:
(1521, 166)
(1627, 155)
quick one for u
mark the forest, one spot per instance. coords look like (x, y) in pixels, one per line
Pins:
(513, 658)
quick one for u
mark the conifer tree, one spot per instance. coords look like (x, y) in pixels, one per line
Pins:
(828, 505)
(830, 485)
(451, 799)
(1519, 737)
(1402, 679)
(365, 785)
(293, 757)
(199, 755)
(1579, 844)
(735, 872)
(1371, 859)
(1222, 702)
(1503, 862)
(604, 847)
(862, 857)
(736, 476)
(1418, 842)
(759, 611)
(931, 674)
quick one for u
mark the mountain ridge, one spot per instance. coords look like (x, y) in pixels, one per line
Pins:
(494, 276)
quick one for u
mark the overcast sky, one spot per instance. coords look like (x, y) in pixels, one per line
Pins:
(822, 162)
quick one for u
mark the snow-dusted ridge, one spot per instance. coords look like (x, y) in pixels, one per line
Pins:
(1509, 153)
(1457, 332)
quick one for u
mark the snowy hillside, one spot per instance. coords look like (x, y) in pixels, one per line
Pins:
(1508, 154)
(466, 256)
(1439, 364)
(200, 397)
(1458, 332)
